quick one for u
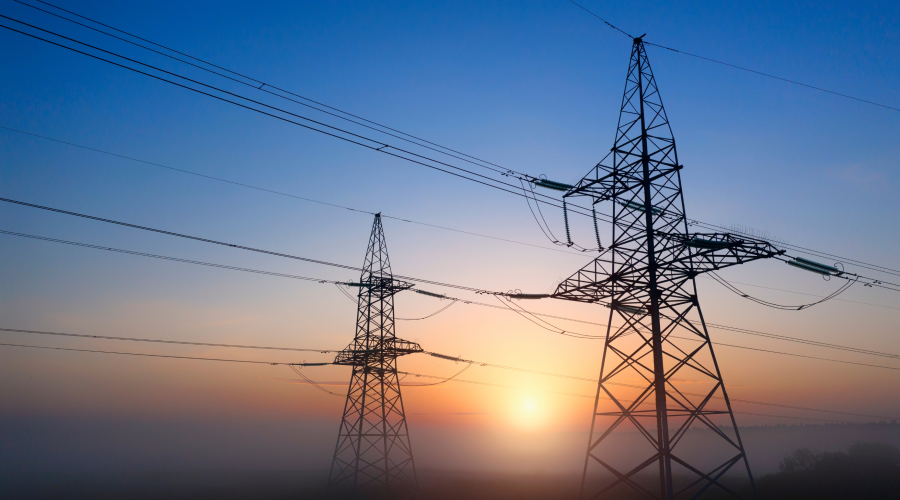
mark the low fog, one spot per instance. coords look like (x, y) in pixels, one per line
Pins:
(94, 458)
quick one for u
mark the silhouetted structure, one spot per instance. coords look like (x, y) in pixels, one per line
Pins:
(373, 452)
(648, 275)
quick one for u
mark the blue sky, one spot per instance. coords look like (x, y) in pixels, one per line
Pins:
(530, 86)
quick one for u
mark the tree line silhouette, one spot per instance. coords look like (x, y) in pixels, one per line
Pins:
(864, 471)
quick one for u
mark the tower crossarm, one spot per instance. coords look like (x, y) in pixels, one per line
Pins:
(381, 286)
(389, 347)
(604, 183)
(704, 252)
(681, 257)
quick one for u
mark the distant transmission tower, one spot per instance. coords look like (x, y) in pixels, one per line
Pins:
(659, 377)
(373, 453)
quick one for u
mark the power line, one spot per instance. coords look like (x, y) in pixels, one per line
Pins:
(773, 305)
(268, 252)
(257, 271)
(549, 327)
(281, 193)
(594, 380)
(240, 247)
(376, 145)
(504, 307)
(430, 315)
(382, 148)
(193, 358)
(820, 89)
(371, 213)
(848, 276)
(807, 294)
(444, 381)
(173, 259)
(808, 251)
(802, 355)
(437, 355)
(814, 343)
(442, 309)
(158, 341)
(589, 396)
(262, 85)
(792, 418)
(600, 18)
(767, 75)
(312, 383)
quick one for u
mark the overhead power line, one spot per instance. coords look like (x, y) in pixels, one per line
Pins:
(282, 193)
(886, 285)
(260, 85)
(820, 89)
(589, 396)
(793, 307)
(257, 271)
(804, 293)
(789, 354)
(767, 75)
(594, 380)
(504, 306)
(454, 300)
(192, 358)
(600, 18)
(159, 341)
(313, 383)
(314, 125)
(511, 307)
(173, 259)
(241, 247)
(468, 363)
(809, 251)
(374, 144)
(813, 343)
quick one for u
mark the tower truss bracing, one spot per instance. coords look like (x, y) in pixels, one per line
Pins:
(662, 426)
(373, 454)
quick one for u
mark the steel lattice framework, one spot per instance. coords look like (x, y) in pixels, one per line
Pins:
(647, 275)
(373, 453)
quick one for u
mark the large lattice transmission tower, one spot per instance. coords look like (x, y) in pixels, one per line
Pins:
(659, 377)
(373, 453)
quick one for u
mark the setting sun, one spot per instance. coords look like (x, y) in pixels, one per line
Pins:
(450, 250)
(528, 413)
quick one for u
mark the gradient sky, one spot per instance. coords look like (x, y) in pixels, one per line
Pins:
(530, 86)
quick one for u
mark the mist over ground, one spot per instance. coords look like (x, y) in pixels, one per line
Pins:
(93, 458)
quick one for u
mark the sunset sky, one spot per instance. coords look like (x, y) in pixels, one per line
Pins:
(535, 87)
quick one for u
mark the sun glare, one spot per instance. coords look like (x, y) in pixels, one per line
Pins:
(528, 413)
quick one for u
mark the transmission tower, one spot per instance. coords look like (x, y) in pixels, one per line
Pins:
(373, 453)
(659, 377)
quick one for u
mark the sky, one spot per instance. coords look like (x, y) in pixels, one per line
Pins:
(533, 87)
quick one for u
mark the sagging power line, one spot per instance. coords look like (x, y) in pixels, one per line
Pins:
(282, 193)
(260, 85)
(354, 138)
(271, 111)
(399, 218)
(742, 68)
(457, 359)
(729, 241)
(504, 306)
(639, 296)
